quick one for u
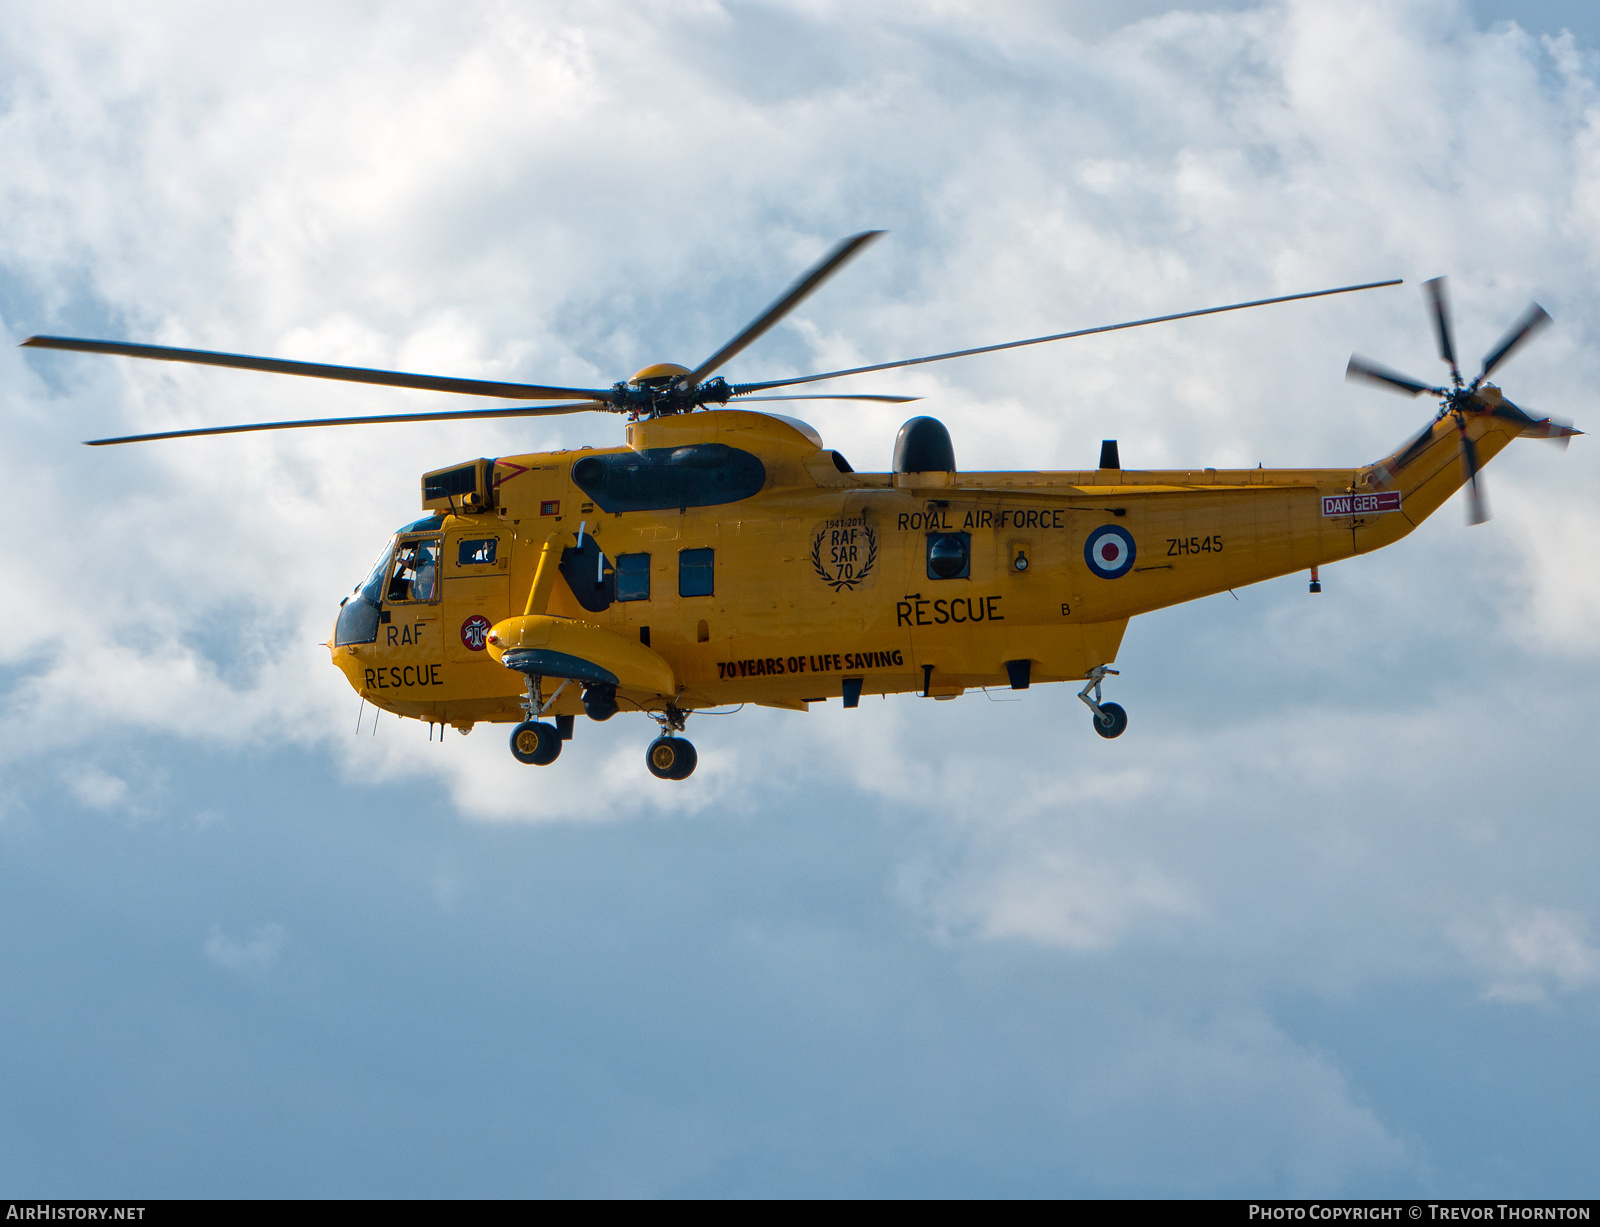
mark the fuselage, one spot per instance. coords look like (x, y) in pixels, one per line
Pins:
(792, 580)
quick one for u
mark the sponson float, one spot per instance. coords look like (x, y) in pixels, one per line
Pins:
(726, 556)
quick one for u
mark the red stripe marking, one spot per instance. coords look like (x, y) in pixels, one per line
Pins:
(506, 464)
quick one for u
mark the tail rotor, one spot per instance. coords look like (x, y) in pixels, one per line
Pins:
(1462, 400)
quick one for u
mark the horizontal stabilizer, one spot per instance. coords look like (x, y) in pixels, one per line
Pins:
(1549, 428)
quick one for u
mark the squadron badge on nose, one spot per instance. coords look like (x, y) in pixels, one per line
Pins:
(475, 632)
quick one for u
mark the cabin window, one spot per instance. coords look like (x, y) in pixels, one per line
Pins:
(414, 574)
(696, 572)
(633, 577)
(477, 553)
(661, 478)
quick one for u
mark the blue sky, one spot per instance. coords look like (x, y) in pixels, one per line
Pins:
(1322, 922)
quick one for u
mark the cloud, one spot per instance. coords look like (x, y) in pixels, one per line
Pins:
(1057, 898)
(1293, 1119)
(250, 957)
(99, 789)
(1529, 954)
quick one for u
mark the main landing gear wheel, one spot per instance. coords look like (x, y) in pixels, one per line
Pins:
(1110, 720)
(670, 758)
(536, 743)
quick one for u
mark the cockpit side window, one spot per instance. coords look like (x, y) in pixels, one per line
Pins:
(414, 572)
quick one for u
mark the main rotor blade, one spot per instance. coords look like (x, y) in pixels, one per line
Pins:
(1441, 325)
(740, 389)
(786, 302)
(1534, 319)
(520, 411)
(1372, 372)
(320, 370)
(892, 400)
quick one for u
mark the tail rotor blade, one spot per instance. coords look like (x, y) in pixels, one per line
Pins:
(1414, 449)
(1477, 502)
(1534, 319)
(1442, 326)
(1372, 372)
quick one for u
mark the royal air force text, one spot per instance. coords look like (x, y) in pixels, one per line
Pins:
(948, 522)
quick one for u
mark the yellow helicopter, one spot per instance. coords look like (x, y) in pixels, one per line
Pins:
(725, 556)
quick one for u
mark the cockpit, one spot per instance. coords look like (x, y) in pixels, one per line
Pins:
(414, 574)
(406, 572)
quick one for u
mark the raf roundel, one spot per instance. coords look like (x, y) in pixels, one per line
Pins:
(1110, 551)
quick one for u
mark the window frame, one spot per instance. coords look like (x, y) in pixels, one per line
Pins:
(710, 566)
(620, 568)
(462, 543)
(438, 568)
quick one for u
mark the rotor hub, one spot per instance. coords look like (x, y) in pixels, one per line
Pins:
(662, 389)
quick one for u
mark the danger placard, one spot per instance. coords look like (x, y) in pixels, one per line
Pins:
(1360, 504)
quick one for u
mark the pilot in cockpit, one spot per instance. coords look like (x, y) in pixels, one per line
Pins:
(416, 572)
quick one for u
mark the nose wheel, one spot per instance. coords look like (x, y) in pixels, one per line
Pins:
(670, 758)
(1109, 718)
(536, 743)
